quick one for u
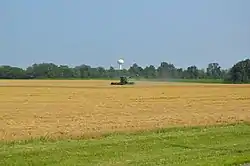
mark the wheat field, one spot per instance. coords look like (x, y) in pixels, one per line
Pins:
(35, 108)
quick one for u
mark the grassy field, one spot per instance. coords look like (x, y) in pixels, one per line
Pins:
(74, 109)
(217, 146)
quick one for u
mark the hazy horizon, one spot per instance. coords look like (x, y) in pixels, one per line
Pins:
(145, 32)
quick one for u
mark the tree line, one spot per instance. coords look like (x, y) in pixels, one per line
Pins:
(238, 73)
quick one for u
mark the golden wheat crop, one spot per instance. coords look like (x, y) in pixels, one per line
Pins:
(74, 108)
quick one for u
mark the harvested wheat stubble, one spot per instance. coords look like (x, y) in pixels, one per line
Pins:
(74, 108)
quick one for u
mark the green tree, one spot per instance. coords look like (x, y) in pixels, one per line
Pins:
(66, 72)
(84, 71)
(111, 72)
(214, 71)
(149, 72)
(8, 72)
(135, 70)
(192, 72)
(240, 72)
(167, 70)
(44, 70)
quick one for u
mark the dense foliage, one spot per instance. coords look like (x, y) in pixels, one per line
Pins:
(239, 73)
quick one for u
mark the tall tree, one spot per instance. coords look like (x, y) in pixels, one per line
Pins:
(135, 70)
(214, 71)
(240, 72)
(149, 72)
(166, 70)
(192, 72)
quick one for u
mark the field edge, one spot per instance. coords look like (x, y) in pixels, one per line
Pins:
(224, 144)
(98, 136)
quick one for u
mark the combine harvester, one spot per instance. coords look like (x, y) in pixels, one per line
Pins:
(123, 79)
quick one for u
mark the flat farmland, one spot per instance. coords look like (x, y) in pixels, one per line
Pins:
(34, 108)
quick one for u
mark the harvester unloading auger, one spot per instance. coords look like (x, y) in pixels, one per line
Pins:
(123, 81)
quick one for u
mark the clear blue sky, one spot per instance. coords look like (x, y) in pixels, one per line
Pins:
(98, 32)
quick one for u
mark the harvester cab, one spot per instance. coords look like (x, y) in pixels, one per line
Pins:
(123, 80)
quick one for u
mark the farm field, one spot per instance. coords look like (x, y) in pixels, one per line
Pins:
(34, 108)
(44, 123)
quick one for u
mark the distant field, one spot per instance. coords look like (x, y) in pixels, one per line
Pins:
(207, 81)
(34, 108)
(217, 81)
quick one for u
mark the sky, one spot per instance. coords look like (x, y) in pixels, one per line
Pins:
(98, 32)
